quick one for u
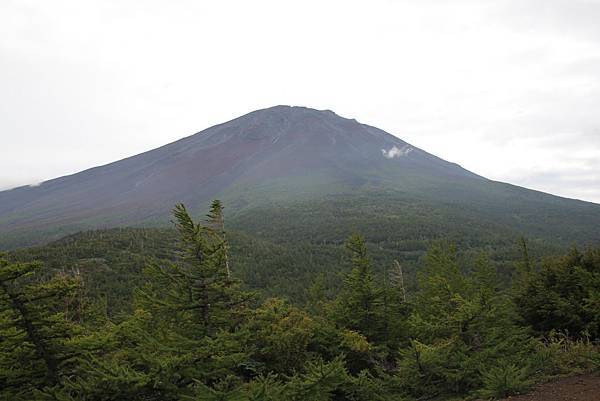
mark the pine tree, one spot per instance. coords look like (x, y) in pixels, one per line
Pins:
(189, 313)
(360, 304)
(318, 383)
(216, 221)
(36, 332)
(183, 338)
(283, 336)
(563, 295)
(196, 293)
(316, 295)
(460, 324)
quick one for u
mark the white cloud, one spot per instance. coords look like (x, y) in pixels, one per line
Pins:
(394, 152)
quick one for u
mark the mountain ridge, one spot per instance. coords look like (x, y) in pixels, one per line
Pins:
(268, 156)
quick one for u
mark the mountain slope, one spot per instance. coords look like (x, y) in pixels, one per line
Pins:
(270, 158)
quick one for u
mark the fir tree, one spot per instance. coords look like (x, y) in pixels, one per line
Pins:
(37, 348)
(360, 304)
(194, 309)
(563, 295)
(196, 293)
(460, 323)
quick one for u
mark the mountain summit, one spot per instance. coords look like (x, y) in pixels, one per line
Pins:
(278, 154)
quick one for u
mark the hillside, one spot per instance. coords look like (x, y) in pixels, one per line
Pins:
(290, 164)
(156, 315)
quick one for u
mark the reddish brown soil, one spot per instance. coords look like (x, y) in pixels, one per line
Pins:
(576, 388)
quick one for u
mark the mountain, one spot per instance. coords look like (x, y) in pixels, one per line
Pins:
(274, 168)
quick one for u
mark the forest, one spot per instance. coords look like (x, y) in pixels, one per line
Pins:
(198, 323)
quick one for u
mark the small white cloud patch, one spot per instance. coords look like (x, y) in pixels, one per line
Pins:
(35, 184)
(395, 151)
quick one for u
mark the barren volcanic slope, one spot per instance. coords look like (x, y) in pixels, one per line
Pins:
(273, 157)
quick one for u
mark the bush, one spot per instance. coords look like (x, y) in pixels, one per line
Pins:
(504, 380)
(563, 295)
(558, 354)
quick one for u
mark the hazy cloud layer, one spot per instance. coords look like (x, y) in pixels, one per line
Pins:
(508, 89)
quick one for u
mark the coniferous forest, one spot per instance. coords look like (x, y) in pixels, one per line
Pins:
(183, 325)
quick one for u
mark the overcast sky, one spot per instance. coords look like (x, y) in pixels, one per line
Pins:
(507, 89)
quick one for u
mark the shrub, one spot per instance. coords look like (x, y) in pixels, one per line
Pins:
(558, 354)
(504, 380)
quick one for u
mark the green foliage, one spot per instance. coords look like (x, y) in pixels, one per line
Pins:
(564, 295)
(109, 262)
(162, 315)
(195, 295)
(282, 335)
(319, 382)
(360, 304)
(38, 330)
(460, 324)
(557, 354)
(503, 381)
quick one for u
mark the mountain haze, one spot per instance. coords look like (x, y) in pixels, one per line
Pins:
(274, 157)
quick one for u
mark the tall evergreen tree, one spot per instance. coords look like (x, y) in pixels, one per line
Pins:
(360, 304)
(216, 221)
(196, 293)
(183, 338)
(195, 306)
